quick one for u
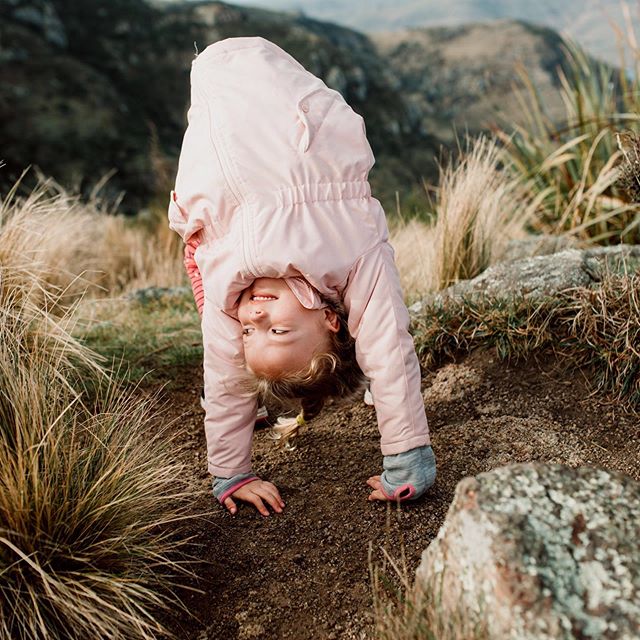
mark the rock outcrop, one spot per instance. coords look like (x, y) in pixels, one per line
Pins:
(543, 276)
(538, 552)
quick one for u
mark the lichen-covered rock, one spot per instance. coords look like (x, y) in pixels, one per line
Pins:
(538, 552)
(541, 276)
(532, 277)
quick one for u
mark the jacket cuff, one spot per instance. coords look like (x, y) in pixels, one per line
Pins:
(224, 487)
(402, 446)
(227, 472)
(409, 474)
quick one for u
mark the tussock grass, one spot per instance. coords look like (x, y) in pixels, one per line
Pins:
(598, 327)
(91, 494)
(82, 248)
(414, 248)
(478, 209)
(87, 498)
(603, 327)
(574, 166)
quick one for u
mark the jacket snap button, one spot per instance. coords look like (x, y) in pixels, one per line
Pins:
(305, 107)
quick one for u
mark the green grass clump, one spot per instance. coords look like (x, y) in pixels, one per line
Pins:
(596, 327)
(515, 327)
(148, 339)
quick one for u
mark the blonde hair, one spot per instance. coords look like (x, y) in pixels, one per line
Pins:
(334, 374)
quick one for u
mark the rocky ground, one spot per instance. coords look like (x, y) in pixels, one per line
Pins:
(304, 573)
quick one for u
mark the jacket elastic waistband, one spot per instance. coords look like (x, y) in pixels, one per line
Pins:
(315, 191)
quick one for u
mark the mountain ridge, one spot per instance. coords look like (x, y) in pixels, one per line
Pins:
(94, 86)
(585, 21)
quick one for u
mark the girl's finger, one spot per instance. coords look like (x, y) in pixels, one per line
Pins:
(254, 498)
(231, 505)
(273, 492)
(270, 497)
(377, 495)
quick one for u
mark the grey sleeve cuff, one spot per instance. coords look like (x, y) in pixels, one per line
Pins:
(224, 487)
(409, 474)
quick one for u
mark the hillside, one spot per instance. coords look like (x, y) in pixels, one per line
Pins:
(88, 86)
(465, 78)
(586, 21)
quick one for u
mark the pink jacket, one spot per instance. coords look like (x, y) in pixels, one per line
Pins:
(272, 177)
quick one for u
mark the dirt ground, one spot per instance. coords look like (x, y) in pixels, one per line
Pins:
(304, 573)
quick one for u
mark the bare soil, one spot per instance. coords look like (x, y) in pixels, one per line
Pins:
(304, 573)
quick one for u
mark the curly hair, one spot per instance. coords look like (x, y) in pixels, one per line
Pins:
(333, 373)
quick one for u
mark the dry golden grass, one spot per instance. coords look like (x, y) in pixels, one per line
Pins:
(414, 248)
(90, 495)
(82, 248)
(478, 209)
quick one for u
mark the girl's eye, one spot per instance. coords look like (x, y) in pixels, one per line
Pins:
(279, 332)
(245, 332)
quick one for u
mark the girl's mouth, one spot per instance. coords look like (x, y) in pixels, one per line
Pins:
(262, 298)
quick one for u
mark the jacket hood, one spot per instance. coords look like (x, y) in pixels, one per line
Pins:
(307, 296)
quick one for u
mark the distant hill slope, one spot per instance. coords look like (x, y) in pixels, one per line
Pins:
(458, 79)
(586, 21)
(86, 85)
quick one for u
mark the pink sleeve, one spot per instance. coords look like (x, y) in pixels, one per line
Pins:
(198, 205)
(230, 415)
(379, 322)
(193, 272)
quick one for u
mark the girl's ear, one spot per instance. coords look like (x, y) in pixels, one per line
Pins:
(331, 320)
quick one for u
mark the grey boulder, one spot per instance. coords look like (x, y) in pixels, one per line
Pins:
(533, 551)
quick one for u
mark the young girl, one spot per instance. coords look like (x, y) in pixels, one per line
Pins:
(299, 292)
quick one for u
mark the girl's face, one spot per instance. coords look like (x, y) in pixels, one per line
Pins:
(279, 334)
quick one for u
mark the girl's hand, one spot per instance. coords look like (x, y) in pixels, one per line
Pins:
(402, 494)
(257, 492)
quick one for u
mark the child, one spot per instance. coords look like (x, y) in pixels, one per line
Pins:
(299, 291)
